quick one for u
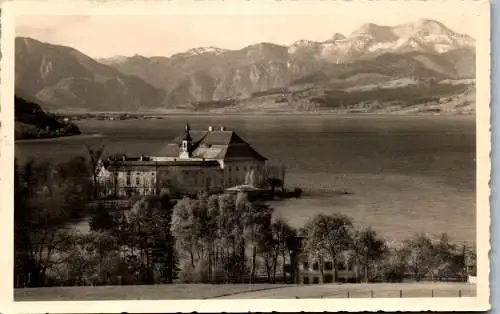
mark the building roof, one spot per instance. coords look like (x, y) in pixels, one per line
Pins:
(215, 144)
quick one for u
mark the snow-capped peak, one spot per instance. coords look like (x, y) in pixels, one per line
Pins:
(203, 50)
(376, 32)
(114, 59)
(423, 35)
(304, 43)
(422, 27)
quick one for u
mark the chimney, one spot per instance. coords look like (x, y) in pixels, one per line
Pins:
(222, 128)
(210, 128)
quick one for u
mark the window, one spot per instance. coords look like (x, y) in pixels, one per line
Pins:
(137, 180)
(237, 168)
(128, 178)
(229, 168)
(306, 280)
(328, 266)
(315, 266)
(315, 279)
(341, 266)
(245, 168)
(306, 265)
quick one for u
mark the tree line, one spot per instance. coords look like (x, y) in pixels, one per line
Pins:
(218, 238)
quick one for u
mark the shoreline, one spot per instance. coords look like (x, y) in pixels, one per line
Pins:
(59, 138)
(161, 115)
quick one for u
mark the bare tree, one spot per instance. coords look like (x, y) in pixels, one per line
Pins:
(95, 154)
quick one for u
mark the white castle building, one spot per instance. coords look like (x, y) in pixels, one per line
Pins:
(198, 160)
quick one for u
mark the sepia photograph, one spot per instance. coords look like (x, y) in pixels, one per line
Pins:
(331, 152)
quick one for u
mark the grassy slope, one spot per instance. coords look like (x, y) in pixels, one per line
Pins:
(149, 292)
(402, 96)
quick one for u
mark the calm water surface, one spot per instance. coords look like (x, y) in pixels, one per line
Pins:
(406, 174)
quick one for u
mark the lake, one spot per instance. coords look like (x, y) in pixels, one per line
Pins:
(405, 174)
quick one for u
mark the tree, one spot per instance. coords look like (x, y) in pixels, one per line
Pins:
(102, 219)
(369, 248)
(149, 228)
(276, 241)
(46, 198)
(256, 219)
(95, 155)
(394, 265)
(419, 252)
(214, 232)
(445, 259)
(329, 235)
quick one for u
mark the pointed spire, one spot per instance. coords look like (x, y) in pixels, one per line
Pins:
(187, 135)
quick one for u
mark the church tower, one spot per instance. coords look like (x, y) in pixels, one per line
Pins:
(186, 144)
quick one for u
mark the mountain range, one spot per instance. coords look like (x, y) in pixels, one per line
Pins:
(423, 52)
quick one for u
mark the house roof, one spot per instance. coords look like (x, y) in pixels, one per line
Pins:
(216, 144)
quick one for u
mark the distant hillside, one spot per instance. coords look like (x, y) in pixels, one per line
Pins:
(422, 53)
(32, 122)
(67, 79)
(398, 96)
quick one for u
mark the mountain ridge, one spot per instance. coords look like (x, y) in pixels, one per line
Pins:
(65, 77)
(420, 51)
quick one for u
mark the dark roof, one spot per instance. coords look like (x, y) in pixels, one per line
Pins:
(213, 145)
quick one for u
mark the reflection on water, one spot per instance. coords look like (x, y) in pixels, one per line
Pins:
(407, 174)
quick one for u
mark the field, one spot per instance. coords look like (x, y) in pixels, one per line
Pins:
(246, 291)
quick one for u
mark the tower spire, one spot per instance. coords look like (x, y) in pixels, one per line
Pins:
(187, 136)
(186, 143)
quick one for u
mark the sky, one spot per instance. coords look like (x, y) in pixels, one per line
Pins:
(152, 34)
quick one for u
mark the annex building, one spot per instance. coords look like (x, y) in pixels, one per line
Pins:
(197, 160)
